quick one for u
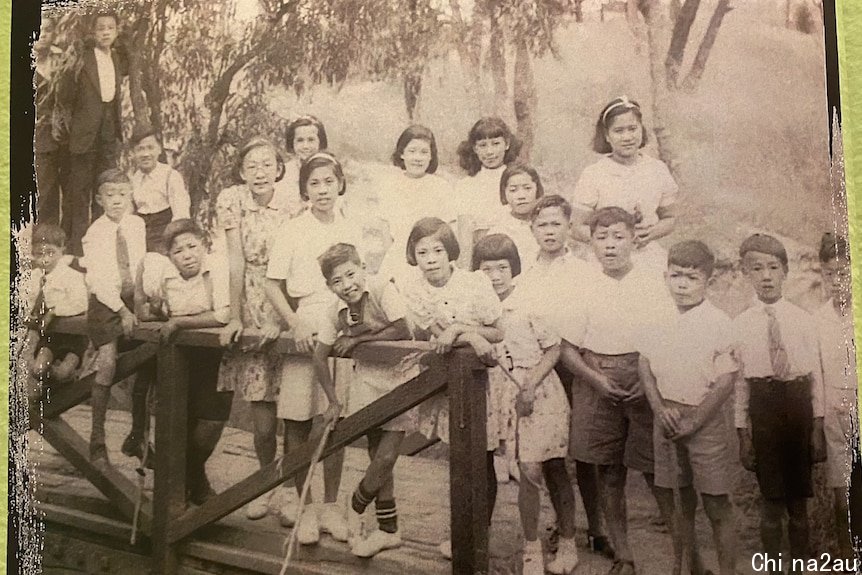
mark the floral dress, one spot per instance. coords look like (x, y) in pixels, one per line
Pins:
(253, 374)
(544, 434)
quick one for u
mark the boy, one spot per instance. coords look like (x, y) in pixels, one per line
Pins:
(367, 310)
(779, 399)
(158, 190)
(612, 423)
(551, 278)
(835, 331)
(113, 247)
(59, 291)
(688, 371)
(187, 290)
(90, 95)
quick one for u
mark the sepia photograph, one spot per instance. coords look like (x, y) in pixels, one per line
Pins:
(433, 286)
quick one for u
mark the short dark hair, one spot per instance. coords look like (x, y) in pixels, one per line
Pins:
(764, 244)
(486, 129)
(320, 160)
(832, 247)
(427, 227)
(141, 133)
(514, 170)
(692, 254)
(614, 108)
(105, 14)
(50, 234)
(253, 144)
(606, 217)
(416, 132)
(495, 247)
(552, 201)
(178, 228)
(112, 176)
(336, 255)
(306, 120)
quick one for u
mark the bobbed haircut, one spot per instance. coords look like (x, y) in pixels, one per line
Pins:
(306, 120)
(692, 254)
(49, 234)
(614, 108)
(514, 170)
(416, 132)
(496, 247)
(179, 227)
(336, 255)
(552, 201)
(438, 229)
(253, 144)
(833, 247)
(112, 176)
(764, 244)
(320, 160)
(141, 133)
(606, 217)
(485, 129)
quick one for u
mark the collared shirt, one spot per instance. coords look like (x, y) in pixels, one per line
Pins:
(645, 186)
(383, 306)
(100, 256)
(159, 190)
(467, 298)
(298, 245)
(688, 352)
(799, 337)
(610, 313)
(65, 290)
(209, 290)
(837, 350)
(107, 75)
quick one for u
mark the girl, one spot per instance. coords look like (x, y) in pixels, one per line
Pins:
(250, 214)
(305, 137)
(489, 146)
(527, 406)
(449, 306)
(520, 188)
(413, 192)
(628, 179)
(294, 270)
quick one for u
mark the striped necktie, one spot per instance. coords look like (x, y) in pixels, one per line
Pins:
(128, 286)
(777, 352)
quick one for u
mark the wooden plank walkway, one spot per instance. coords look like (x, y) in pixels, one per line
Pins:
(237, 545)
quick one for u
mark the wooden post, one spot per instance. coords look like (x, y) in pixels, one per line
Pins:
(169, 496)
(467, 473)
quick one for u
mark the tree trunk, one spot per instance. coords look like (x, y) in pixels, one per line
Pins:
(658, 34)
(497, 63)
(524, 92)
(679, 40)
(467, 53)
(412, 90)
(136, 92)
(699, 65)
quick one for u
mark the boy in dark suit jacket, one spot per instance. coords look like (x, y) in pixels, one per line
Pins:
(91, 96)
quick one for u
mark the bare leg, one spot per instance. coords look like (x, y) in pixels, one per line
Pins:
(719, 510)
(771, 530)
(797, 528)
(562, 495)
(613, 478)
(667, 506)
(41, 364)
(529, 499)
(62, 371)
(332, 468)
(295, 434)
(383, 450)
(264, 421)
(101, 393)
(589, 487)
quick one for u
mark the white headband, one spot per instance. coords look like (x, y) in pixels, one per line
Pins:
(624, 102)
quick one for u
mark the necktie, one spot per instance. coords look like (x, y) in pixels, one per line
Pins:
(128, 287)
(777, 353)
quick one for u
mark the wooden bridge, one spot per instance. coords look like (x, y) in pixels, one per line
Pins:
(87, 533)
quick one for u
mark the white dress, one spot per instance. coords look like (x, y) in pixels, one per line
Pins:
(479, 196)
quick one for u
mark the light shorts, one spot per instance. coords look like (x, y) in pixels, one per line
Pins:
(840, 425)
(372, 381)
(703, 459)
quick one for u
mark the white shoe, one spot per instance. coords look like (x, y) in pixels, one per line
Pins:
(375, 543)
(355, 526)
(566, 559)
(533, 561)
(288, 508)
(309, 529)
(445, 549)
(501, 469)
(332, 521)
(259, 508)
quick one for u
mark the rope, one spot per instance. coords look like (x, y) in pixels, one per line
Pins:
(142, 469)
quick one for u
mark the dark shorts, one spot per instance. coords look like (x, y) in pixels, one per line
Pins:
(604, 432)
(156, 224)
(781, 422)
(62, 344)
(103, 324)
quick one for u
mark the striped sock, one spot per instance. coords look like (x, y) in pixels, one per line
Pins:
(361, 499)
(387, 516)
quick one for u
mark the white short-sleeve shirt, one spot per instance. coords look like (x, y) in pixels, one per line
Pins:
(65, 291)
(383, 306)
(837, 351)
(479, 196)
(209, 290)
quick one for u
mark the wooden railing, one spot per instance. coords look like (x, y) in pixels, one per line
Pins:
(168, 521)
